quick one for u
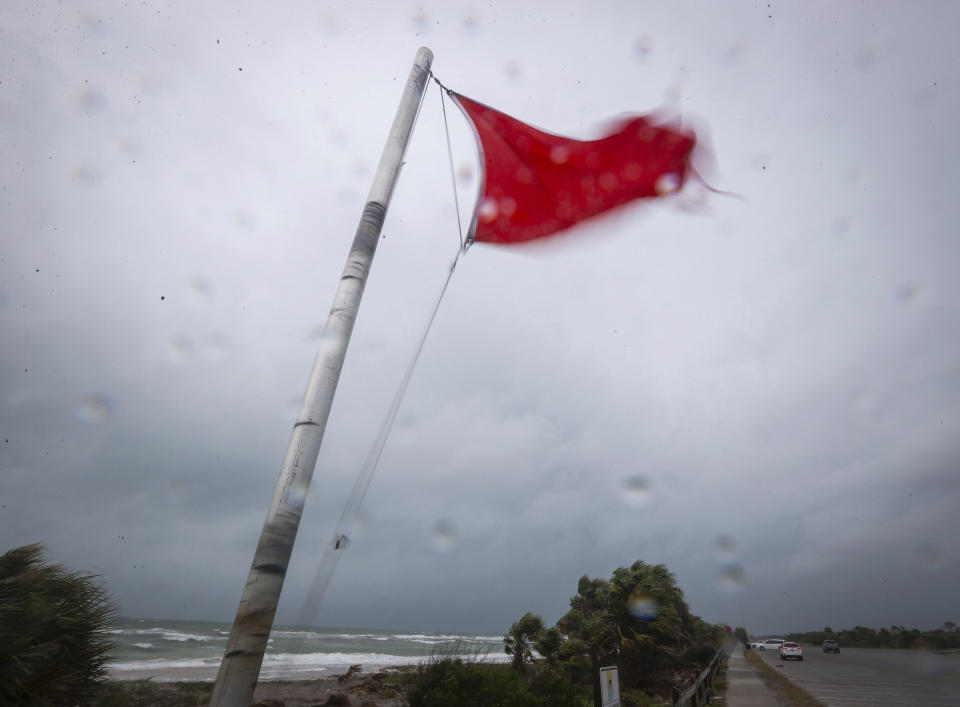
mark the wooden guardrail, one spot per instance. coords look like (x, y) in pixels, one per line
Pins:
(699, 693)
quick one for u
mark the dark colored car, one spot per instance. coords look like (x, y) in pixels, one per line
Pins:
(830, 646)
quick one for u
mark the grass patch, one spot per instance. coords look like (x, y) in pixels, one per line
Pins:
(781, 686)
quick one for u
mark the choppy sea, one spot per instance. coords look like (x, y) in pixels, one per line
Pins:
(192, 650)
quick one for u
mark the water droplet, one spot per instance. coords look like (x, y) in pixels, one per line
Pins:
(444, 536)
(488, 210)
(725, 546)
(559, 154)
(297, 494)
(731, 578)
(667, 183)
(86, 175)
(420, 22)
(908, 292)
(94, 409)
(643, 607)
(865, 59)
(465, 174)
(181, 349)
(202, 288)
(931, 557)
(92, 100)
(636, 492)
(512, 70)
(642, 47)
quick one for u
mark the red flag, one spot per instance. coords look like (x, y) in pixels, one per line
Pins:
(535, 184)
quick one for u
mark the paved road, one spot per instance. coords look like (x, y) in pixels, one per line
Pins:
(874, 676)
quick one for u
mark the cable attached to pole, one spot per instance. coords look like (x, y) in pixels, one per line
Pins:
(344, 529)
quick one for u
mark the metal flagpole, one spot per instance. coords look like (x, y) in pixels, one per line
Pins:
(243, 656)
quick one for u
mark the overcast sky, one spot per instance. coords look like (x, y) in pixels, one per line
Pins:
(760, 393)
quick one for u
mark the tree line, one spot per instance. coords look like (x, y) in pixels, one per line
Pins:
(946, 637)
(637, 620)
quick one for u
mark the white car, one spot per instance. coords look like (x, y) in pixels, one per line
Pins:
(772, 643)
(791, 650)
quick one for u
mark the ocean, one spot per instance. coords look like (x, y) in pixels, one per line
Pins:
(192, 650)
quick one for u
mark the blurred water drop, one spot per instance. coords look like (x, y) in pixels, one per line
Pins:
(181, 349)
(731, 578)
(86, 175)
(201, 288)
(559, 154)
(907, 292)
(636, 492)
(469, 24)
(512, 69)
(643, 607)
(725, 546)
(94, 409)
(444, 536)
(735, 53)
(330, 23)
(91, 100)
(488, 210)
(297, 494)
(465, 174)
(420, 21)
(865, 59)
(841, 226)
(667, 183)
(930, 556)
(642, 47)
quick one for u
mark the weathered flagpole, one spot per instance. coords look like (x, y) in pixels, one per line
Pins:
(243, 657)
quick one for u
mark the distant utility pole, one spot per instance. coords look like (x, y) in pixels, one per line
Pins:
(240, 667)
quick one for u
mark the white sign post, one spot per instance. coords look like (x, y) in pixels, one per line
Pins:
(609, 687)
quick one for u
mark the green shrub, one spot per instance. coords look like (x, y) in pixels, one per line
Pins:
(451, 681)
(53, 640)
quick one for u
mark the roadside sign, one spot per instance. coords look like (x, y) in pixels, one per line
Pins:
(609, 687)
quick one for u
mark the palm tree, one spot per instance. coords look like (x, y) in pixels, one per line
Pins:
(53, 623)
(519, 640)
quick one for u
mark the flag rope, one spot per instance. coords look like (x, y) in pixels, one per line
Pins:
(351, 512)
(348, 518)
(453, 176)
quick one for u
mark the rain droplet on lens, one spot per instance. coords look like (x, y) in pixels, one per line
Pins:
(464, 174)
(636, 492)
(731, 578)
(94, 409)
(667, 183)
(643, 607)
(725, 546)
(444, 536)
(202, 288)
(930, 556)
(181, 349)
(642, 46)
(907, 292)
(420, 21)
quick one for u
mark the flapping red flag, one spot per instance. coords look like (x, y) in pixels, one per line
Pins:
(534, 184)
